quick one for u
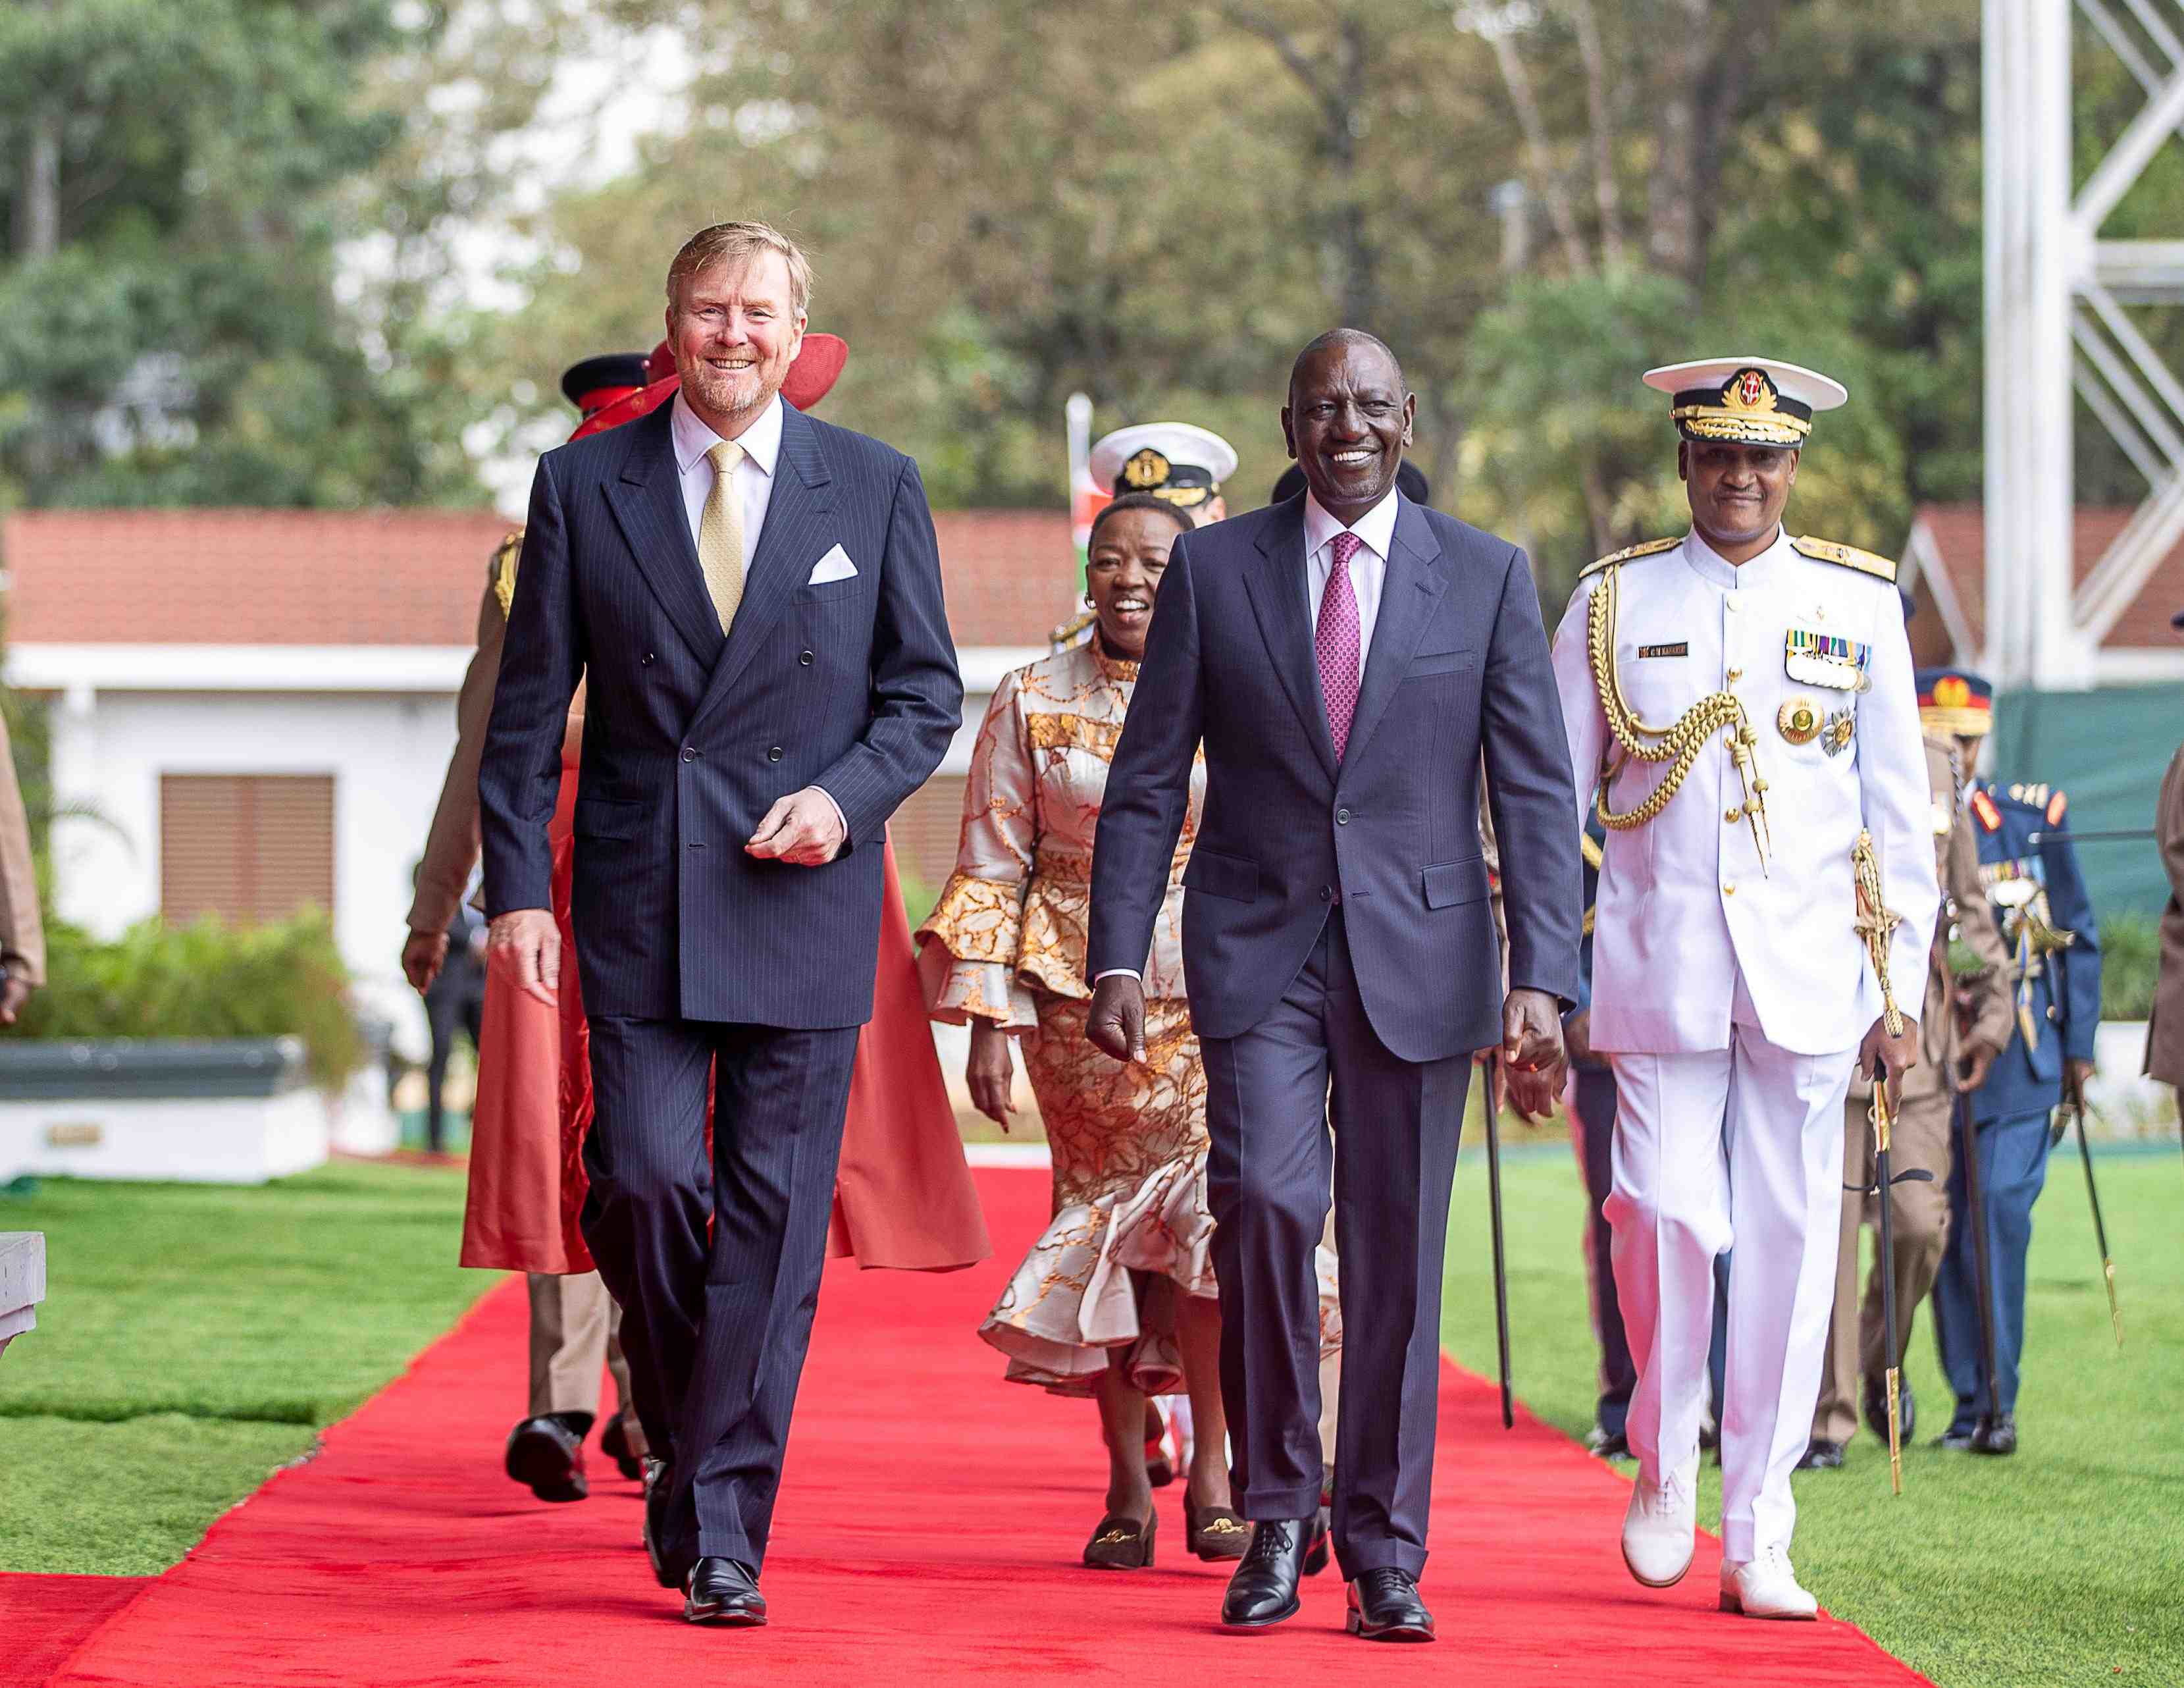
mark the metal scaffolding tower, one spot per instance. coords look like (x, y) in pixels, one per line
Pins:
(2056, 324)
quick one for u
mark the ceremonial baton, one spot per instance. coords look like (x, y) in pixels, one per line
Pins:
(2100, 1230)
(1501, 1269)
(1975, 1210)
(1874, 924)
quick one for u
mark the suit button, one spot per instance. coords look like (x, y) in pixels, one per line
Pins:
(1728, 890)
(1327, 893)
(689, 754)
(1342, 817)
(647, 660)
(804, 659)
(2051, 1011)
(774, 754)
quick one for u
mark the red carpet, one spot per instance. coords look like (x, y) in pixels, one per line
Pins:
(44, 1619)
(929, 1528)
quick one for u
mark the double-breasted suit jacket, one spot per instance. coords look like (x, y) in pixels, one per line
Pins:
(690, 735)
(1457, 664)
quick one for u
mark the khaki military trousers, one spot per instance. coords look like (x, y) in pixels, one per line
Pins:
(576, 1328)
(1921, 1140)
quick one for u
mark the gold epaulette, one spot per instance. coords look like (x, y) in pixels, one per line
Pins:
(1069, 632)
(502, 571)
(1627, 553)
(1848, 556)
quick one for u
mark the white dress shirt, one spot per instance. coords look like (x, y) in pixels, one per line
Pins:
(1368, 569)
(761, 444)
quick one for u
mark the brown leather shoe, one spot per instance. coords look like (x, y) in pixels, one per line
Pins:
(1121, 1544)
(1216, 1533)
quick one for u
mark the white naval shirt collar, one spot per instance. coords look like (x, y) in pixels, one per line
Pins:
(1709, 565)
(761, 441)
(1376, 528)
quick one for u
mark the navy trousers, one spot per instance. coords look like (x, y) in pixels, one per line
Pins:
(1594, 1118)
(2013, 1159)
(716, 1264)
(1272, 1093)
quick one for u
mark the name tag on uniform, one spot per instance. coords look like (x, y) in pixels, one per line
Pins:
(1684, 650)
(1824, 660)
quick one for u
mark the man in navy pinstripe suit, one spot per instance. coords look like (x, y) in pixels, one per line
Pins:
(753, 598)
(1344, 658)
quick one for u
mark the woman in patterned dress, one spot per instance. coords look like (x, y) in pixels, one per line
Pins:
(1116, 1298)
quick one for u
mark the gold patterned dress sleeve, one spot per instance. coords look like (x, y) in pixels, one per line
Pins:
(970, 947)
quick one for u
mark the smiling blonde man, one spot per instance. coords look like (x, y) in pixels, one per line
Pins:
(754, 600)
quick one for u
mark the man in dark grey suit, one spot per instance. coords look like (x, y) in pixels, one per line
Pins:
(1345, 658)
(754, 598)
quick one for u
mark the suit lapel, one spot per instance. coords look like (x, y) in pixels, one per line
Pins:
(799, 520)
(646, 502)
(1414, 582)
(1279, 599)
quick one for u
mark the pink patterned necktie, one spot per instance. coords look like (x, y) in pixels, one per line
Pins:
(1337, 643)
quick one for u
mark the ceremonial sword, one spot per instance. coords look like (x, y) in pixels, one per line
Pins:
(2100, 1230)
(1874, 923)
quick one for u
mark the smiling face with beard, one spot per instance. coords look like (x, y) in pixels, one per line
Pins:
(734, 329)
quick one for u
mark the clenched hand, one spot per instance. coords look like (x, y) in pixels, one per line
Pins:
(803, 829)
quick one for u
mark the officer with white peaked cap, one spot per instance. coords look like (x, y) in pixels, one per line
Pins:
(1740, 707)
(1174, 461)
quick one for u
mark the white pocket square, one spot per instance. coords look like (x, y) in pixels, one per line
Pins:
(834, 565)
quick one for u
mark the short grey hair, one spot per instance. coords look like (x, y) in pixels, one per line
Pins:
(739, 243)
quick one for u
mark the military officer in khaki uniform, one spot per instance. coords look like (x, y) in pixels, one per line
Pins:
(1969, 968)
(22, 934)
(573, 1319)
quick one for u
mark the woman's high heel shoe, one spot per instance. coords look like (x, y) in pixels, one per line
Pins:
(1121, 1544)
(1216, 1533)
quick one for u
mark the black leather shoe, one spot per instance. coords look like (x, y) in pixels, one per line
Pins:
(1321, 1548)
(1821, 1455)
(1995, 1435)
(1384, 1606)
(723, 1591)
(1955, 1438)
(1605, 1444)
(548, 1457)
(614, 1443)
(1874, 1397)
(1264, 1590)
(659, 1483)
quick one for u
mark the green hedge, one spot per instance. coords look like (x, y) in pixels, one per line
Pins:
(2131, 955)
(204, 980)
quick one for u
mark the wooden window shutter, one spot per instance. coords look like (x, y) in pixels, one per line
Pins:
(246, 846)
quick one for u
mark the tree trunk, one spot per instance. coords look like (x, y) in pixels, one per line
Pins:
(1674, 220)
(38, 197)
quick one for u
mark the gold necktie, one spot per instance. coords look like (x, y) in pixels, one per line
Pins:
(720, 534)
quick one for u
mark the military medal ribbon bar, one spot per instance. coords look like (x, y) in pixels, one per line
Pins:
(1824, 660)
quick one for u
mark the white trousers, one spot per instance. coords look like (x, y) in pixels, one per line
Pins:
(1740, 1146)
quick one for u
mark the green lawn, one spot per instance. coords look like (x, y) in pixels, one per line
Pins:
(2060, 1566)
(198, 1337)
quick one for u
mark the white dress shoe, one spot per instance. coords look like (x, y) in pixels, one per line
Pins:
(1658, 1531)
(1765, 1587)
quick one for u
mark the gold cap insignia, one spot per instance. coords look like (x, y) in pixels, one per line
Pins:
(1146, 470)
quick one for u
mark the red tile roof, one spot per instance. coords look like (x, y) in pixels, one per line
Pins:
(401, 578)
(1959, 535)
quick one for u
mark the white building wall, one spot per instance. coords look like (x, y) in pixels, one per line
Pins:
(387, 754)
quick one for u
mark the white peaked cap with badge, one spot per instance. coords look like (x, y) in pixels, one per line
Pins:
(1745, 401)
(1171, 460)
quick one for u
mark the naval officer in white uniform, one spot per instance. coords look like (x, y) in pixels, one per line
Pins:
(1748, 697)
